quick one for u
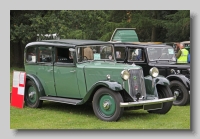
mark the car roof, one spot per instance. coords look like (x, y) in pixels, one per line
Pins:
(141, 45)
(67, 42)
(185, 42)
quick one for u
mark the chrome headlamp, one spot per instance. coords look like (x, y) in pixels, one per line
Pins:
(154, 72)
(125, 75)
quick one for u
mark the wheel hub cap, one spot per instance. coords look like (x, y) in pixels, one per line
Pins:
(176, 93)
(31, 94)
(106, 105)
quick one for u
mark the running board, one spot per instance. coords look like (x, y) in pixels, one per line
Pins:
(61, 100)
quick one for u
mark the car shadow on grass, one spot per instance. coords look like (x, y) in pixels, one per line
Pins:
(62, 107)
(86, 109)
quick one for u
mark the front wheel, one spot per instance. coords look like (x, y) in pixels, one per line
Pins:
(106, 105)
(183, 97)
(32, 95)
(163, 92)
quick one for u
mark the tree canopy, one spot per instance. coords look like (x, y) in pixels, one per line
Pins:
(151, 25)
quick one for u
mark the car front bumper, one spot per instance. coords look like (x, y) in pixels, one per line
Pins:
(147, 102)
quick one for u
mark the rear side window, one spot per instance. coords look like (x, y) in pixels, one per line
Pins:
(135, 54)
(31, 55)
(63, 55)
(44, 54)
(120, 53)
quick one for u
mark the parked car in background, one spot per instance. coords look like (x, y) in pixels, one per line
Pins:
(79, 71)
(127, 35)
(173, 44)
(160, 56)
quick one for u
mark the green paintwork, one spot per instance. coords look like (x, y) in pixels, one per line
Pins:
(45, 75)
(66, 81)
(86, 78)
(124, 35)
(98, 71)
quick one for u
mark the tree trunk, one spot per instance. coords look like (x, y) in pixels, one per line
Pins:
(153, 34)
(21, 54)
(16, 54)
(153, 31)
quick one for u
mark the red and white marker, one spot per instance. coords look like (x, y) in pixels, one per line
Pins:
(18, 88)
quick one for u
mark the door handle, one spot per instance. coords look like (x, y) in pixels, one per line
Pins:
(73, 71)
(50, 70)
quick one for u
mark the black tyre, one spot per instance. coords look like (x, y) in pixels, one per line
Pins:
(32, 95)
(163, 92)
(183, 97)
(106, 105)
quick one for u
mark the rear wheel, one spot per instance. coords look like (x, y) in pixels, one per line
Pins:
(32, 95)
(163, 92)
(106, 105)
(183, 97)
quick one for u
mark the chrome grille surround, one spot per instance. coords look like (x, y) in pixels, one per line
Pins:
(136, 79)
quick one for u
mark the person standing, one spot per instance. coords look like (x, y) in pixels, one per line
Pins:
(88, 53)
(189, 58)
(182, 55)
(177, 47)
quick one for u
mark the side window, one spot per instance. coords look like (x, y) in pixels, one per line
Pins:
(63, 55)
(136, 54)
(120, 53)
(31, 55)
(44, 54)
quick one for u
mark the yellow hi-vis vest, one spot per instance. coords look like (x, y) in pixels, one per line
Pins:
(183, 57)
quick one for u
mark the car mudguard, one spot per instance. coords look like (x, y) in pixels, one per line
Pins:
(150, 83)
(112, 85)
(37, 82)
(181, 78)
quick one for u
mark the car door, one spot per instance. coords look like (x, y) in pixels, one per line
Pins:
(45, 69)
(65, 74)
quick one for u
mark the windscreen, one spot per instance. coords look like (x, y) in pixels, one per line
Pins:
(95, 52)
(166, 53)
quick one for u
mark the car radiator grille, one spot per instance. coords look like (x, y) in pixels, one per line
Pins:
(137, 84)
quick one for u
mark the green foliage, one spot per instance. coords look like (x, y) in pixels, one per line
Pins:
(98, 24)
(151, 25)
(178, 26)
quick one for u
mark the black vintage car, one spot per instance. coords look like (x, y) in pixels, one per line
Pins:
(161, 56)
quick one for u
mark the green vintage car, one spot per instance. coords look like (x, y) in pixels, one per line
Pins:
(79, 71)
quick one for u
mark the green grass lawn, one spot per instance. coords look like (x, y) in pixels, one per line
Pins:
(63, 116)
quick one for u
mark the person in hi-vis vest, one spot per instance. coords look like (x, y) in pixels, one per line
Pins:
(182, 55)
